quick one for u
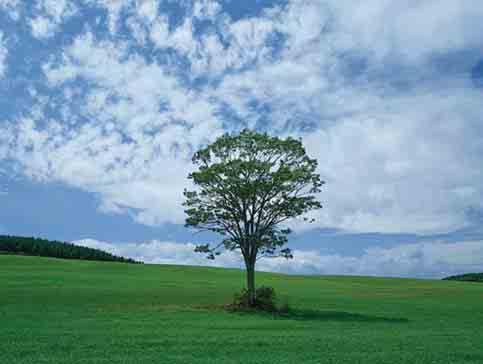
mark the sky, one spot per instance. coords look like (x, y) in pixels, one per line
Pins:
(103, 103)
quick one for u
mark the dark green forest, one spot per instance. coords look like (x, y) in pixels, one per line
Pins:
(470, 277)
(55, 249)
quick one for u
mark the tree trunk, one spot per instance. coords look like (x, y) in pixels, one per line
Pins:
(251, 283)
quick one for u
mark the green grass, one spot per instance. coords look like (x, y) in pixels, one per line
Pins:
(60, 311)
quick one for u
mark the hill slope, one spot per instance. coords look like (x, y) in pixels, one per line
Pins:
(67, 311)
(469, 277)
(54, 249)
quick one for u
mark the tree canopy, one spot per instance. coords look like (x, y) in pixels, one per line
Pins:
(248, 186)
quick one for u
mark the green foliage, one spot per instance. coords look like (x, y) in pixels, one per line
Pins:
(248, 186)
(265, 300)
(469, 277)
(55, 311)
(54, 249)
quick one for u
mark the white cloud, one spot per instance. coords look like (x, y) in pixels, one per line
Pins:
(181, 39)
(396, 158)
(114, 9)
(12, 7)
(143, 15)
(403, 168)
(148, 9)
(50, 16)
(423, 260)
(136, 146)
(42, 27)
(57, 9)
(206, 9)
(163, 252)
(414, 32)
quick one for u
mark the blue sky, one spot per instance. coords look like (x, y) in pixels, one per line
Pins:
(103, 103)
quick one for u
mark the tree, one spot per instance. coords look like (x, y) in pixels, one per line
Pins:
(249, 185)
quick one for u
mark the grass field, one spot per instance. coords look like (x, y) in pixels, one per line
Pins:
(59, 311)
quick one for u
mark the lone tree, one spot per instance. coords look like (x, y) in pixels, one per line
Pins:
(248, 185)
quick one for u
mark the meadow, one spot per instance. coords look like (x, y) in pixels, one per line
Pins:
(68, 311)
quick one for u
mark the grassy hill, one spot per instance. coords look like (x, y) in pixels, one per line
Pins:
(67, 311)
(469, 277)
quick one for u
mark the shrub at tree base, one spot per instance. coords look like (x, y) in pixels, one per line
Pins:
(266, 300)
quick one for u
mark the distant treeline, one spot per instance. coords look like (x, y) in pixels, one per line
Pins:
(55, 249)
(470, 277)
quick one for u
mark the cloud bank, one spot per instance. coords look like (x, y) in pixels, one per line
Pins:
(423, 260)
